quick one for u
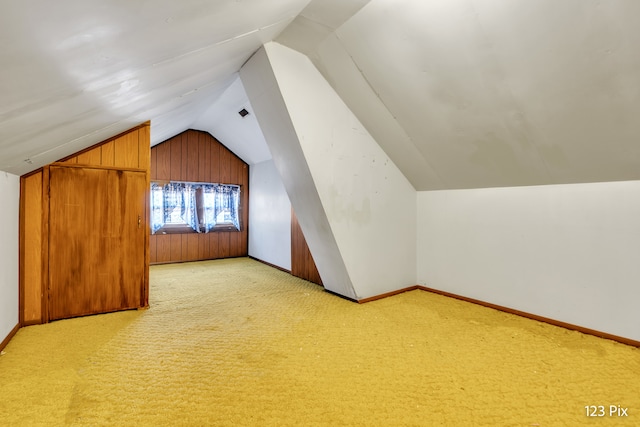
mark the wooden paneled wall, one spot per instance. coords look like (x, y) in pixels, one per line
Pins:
(302, 264)
(197, 156)
(34, 248)
(128, 151)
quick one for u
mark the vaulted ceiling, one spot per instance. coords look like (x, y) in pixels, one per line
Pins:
(75, 72)
(459, 93)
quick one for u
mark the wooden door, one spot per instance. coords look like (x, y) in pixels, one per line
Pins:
(302, 264)
(96, 241)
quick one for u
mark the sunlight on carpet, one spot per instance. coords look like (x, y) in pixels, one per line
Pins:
(237, 343)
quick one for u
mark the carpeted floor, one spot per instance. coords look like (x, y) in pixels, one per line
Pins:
(237, 343)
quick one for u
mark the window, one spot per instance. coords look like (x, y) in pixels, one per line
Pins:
(187, 207)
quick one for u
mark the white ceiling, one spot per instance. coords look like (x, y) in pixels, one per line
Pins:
(486, 93)
(75, 72)
(459, 93)
(242, 135)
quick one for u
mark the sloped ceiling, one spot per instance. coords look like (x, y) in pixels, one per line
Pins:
(243, 135)
(240, 134)
(75, 72)
(486, 93)
(459, 93)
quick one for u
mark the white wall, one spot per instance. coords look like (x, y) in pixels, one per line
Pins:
(269, 216)
(369, 204)
(566, 252)
(270, 109)
(9, 208)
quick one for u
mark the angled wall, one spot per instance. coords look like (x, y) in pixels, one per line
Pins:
(565, 252)
(9, 208)
(356, 209)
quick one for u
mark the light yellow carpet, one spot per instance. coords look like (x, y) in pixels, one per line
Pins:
(237, 343)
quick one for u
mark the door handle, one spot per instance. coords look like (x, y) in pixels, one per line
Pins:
(139, 220)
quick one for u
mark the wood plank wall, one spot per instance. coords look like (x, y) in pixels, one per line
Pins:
(302, 264)
(129, 150)
(32, 254)
(126, 151)
(197, 156)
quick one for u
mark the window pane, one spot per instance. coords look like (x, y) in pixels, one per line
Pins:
(156, 208)
(199, 205)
